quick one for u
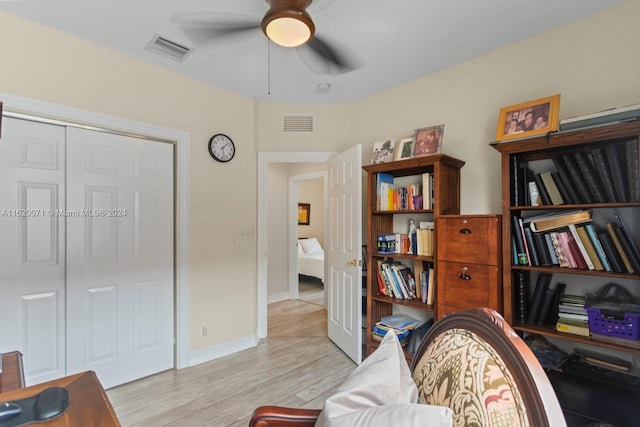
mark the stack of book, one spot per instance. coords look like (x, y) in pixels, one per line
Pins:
(402, 324)
(393, 243)
(572, 316)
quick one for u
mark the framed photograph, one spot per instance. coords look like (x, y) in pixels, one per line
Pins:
(428, 140)
(532, 118)
(383, 151)
(304, 212)
(405, 148)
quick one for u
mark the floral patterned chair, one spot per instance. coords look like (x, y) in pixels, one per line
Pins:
(474, 363)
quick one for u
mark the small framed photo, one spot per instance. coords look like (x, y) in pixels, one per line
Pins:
(383, 151)
(532, 118)
(304, 212)
(428, 140)
(405, 148)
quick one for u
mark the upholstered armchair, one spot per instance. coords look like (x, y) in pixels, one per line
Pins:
(473, 363)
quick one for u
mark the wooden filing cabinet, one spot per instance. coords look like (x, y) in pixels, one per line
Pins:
(469, 262)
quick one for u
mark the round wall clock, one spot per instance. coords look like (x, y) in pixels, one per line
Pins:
(221, 147)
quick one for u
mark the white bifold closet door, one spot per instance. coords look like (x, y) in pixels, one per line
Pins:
(91, 287)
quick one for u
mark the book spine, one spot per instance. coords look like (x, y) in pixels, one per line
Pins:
(626, 248)
(577, 179)
(602, 166)
(612, 253)
(534, 257)
(551, 250)
(590, 176)
(566, 179)
(547, 307)
(542, 189)
(581, 247)
(542, 284)
(591, 231)
(633, 173)
(522, 295)
(552, 188)
(561, 188)
(611, 229)
(616, 169)
(517, 234)
(634, 248)
(575, 252)
(588, 245)
(544, 257)
(557, 247)
(553, 316)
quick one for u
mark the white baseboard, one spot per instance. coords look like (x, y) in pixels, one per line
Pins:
(278, 297)
(221, 350)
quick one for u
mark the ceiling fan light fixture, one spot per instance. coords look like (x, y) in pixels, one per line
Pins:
(287, 23)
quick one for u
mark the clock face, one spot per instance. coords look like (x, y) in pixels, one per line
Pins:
(221, 147)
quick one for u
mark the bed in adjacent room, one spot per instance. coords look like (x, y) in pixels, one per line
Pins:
(310, 258)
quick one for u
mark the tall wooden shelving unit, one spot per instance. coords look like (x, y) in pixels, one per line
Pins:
(446, 200)
(542, 149)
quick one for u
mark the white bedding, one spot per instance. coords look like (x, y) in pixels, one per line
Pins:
(310, 258)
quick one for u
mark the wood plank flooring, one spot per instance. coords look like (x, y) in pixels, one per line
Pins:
(297, 366)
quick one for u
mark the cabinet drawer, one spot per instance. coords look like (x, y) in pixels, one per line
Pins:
(477, 291)
(469, 239)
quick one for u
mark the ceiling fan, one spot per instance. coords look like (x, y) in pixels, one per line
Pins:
(286, 23)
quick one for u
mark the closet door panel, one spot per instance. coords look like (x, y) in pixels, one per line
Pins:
(123, 244)
(32, 255)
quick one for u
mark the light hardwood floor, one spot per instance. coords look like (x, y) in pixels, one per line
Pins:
(297, 366)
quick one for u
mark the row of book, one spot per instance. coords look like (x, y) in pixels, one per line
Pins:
(420, 242)
(602, 174)
(413, 196)
(550, 305)
(571, 240)
(397, 280)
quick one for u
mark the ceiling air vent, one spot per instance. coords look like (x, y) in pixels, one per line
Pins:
(297, 123)
(168, 48)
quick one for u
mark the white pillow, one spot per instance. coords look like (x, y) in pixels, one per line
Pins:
(381, 392)
(311, 246)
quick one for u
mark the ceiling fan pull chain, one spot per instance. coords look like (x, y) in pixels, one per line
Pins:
(268, 67)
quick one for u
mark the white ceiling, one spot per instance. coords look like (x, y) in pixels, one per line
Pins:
(392, 41)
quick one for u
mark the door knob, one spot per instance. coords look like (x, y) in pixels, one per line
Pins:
(353, 263)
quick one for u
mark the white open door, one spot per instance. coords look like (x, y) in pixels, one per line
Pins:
(343, 252)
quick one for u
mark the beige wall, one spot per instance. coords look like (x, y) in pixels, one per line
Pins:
(594, 63)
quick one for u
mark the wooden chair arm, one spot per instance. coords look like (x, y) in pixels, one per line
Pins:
(278, 416)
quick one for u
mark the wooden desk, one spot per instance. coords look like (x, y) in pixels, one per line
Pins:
(88, 402)
(12, 376)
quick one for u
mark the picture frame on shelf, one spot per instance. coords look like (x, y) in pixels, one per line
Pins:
(531, 118)
(383, 151)
(304, 213)
(405, 148)
(428, 140)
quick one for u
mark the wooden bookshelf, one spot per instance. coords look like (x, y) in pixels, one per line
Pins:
(446, 200)
(538, 151)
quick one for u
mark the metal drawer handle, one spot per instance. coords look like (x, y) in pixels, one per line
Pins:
(464, 231)
(464, 275)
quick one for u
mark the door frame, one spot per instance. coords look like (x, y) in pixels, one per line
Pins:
(42, 111)
(264, 158)
(292, 220)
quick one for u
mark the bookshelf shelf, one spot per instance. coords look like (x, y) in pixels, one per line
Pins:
(551, 332)
(445, 195)
(609, 149)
